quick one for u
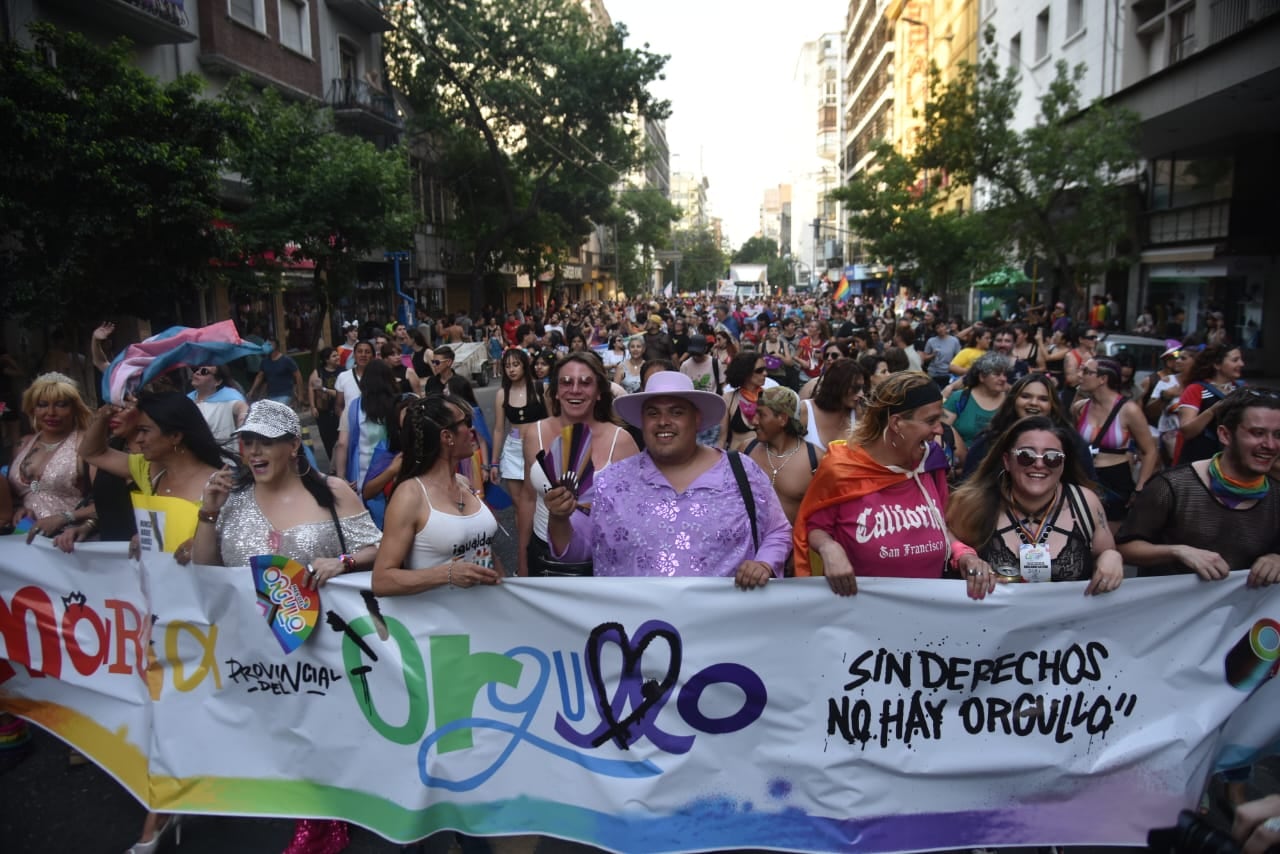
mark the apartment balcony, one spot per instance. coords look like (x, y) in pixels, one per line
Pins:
(362, 107)
(1193, 223)
(1228, 17)
(369, 15)
(145, 22)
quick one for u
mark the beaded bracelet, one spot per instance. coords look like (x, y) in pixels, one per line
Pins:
(348, 562)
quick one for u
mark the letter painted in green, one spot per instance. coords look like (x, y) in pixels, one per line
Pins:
(457, 677)
(415, 681)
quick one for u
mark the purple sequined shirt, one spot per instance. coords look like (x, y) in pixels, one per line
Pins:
(640, 526)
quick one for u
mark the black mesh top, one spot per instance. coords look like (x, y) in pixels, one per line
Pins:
(1176, 506)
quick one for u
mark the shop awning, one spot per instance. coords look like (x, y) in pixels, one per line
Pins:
(1178, 254)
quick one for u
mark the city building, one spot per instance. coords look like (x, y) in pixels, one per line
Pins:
(1205, 79)
(1203, 76)
(689, 193)
(324, 52)
(821, 72)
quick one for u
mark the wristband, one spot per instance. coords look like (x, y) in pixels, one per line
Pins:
(68, 517)
(348, 562)
(958, 551)
(210, 516)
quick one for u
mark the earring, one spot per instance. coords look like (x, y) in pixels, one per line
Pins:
(308, 471)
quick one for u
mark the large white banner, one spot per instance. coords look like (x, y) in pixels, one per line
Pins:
(647, 715)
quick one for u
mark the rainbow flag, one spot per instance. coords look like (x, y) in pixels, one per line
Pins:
(842, 289)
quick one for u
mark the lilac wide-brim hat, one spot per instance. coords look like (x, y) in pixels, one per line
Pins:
(671, 384)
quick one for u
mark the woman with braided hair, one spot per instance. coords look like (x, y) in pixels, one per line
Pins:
(438, 532)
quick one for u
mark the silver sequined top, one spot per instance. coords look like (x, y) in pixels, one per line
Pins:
(243, 531)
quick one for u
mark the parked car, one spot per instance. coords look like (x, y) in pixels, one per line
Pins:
(1144, 351)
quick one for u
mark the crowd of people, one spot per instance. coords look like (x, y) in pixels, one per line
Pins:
(751, 442)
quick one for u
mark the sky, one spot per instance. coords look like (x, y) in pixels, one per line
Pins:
(737, 115)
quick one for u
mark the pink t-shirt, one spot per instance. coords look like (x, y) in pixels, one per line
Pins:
(891, 532)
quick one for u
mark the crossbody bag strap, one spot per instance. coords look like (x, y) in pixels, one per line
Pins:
(744, 487)
(1096, 444)
(1080, 509)
(342, 541)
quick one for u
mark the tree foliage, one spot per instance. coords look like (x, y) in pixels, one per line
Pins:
(522, 100)
(108, 181)
(1052, 190)
(702, 261)
(1056, 188)
(314, 194)
(903, 216)
(641, 222)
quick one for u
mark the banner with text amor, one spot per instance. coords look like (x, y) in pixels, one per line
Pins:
(646, 715)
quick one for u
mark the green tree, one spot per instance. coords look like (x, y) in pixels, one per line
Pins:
(641, 221)
(523, 99)
(1056, 187)
(901, 212)
(702, 262)
(108, 181)
(314, 194)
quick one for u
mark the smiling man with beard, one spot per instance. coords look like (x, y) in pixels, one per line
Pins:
(1212, 516)
(678, 508)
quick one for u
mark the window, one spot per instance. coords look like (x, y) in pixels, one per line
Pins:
(1042, 34)
(1015, 51)
(295, 26)
(1075, 17)
(248, 12)
(1182, 33)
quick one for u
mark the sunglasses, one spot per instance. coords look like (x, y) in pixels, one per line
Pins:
(760, 370)
(465, 419)
(439, 361)
(205, 372)
(1027, 458)
(831, 357)
(1088, 337)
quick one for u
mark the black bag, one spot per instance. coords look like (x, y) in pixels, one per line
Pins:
(543, 565)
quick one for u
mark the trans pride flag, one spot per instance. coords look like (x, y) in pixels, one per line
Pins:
(176, 347)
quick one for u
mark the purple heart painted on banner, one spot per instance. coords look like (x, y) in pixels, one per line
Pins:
(645, 697)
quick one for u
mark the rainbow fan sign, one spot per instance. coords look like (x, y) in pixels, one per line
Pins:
(291, 608)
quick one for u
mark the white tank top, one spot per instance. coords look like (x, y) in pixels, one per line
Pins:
(447, 537)
(811, 435)
(538, 478)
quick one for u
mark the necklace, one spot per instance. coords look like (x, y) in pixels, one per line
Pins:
(769, 457)
(461, 505)
(1231, 493)
(49, 447)
(1031, 515)
(155, 482)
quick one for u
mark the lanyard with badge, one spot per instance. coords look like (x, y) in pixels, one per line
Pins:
(1034, 560)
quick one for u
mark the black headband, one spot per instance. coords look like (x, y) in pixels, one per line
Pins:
(921, 395)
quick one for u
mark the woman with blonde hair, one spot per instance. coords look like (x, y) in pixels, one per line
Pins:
(45, 475)
(876, 502)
